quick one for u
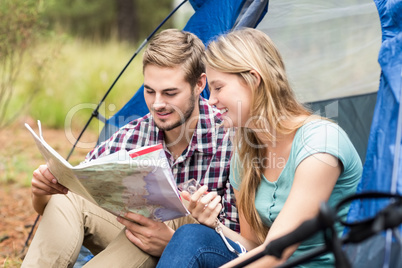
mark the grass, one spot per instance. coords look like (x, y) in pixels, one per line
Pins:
(16, 167)
(68, 78)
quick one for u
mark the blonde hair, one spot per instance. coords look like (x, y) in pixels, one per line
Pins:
(171, 48)
(273, 103)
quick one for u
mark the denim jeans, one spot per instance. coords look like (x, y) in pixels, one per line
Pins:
(196, 245)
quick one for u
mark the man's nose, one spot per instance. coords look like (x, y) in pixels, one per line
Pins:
(159, 103)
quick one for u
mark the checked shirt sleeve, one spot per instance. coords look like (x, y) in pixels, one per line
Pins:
(228, 198)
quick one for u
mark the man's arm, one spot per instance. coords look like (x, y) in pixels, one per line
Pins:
(44, 185)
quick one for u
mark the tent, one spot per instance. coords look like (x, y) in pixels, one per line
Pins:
(330, 49)
(383, 167)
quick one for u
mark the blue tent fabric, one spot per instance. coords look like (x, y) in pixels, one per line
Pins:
(211, 18)
(382, 171)
(379, 165)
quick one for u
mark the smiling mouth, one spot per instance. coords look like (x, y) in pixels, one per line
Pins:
(163, 113)
(224, 110)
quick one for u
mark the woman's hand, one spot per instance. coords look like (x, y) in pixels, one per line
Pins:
(204, 207)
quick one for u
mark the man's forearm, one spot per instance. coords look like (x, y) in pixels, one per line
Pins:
(39, 202)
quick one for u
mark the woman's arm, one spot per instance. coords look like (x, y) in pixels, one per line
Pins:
(245, 231)
(246, 237)
(314, 181)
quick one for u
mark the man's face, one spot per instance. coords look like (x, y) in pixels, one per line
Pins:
(169, 98)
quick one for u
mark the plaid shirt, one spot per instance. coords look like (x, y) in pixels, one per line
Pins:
(207, 158)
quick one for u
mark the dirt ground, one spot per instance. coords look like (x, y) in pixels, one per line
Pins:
(19, 156)
(17, 218)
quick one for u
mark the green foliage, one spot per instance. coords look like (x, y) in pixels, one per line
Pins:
(81, 73)
(16, 167)
(97, 19)
(92, 19)
(150, 17)
(63, 72)
(20, 26)
(19, 19)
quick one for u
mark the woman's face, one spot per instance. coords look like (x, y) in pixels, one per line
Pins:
(231, 96)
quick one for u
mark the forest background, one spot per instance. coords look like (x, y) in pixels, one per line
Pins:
(57, 60)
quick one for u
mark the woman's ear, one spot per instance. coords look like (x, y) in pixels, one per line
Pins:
(257, 76)
(201, 83)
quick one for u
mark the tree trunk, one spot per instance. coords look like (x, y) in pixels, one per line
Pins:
(127, 21)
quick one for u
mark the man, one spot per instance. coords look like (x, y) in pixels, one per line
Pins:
(194, 145)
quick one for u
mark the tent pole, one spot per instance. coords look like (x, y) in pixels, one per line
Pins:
(95, 113)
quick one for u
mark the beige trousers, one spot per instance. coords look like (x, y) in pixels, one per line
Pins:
(70, 221)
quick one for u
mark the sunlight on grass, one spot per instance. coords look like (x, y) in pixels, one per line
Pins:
(16, 169)
(66, 73)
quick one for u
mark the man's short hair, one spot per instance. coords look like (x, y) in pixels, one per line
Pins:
(172, 48)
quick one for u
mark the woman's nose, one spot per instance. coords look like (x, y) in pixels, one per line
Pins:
(212, 100)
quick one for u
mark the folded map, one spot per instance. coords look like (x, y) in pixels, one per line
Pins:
(138, 181)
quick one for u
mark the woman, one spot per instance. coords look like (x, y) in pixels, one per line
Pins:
(287, 161)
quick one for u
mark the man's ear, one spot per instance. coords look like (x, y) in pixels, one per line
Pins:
(257, 76)
(201, 83)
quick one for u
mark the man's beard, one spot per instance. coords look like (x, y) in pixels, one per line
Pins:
(184, 118)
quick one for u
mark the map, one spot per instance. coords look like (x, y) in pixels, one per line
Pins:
(138, 181)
